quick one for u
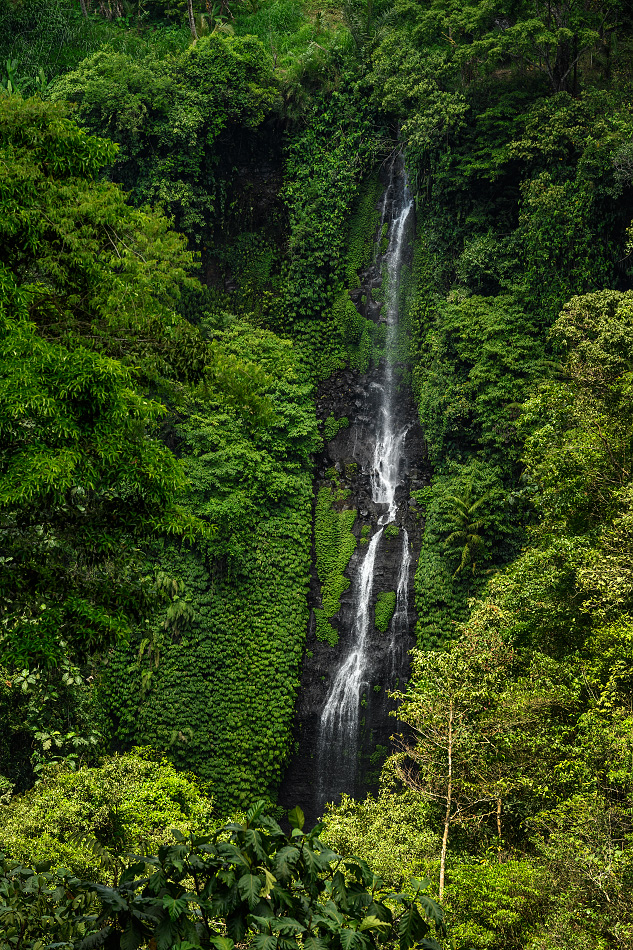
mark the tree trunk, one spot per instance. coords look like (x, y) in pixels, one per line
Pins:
(499, 828)
(84, 8)
(449, 801)
(192, 20)
(562, 67)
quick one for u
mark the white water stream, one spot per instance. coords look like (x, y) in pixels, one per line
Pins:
(340, 719)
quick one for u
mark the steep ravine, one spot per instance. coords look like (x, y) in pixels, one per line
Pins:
(316, 774)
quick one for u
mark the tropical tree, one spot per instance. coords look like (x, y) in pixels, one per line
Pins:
(85, 819)
(466, 539)
(84, 279)
(447, 692)
(88, 289)
(192, 20)
(486, 720)
(177, 120)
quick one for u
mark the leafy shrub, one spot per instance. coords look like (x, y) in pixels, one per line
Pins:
(75, 819)
(302, 894)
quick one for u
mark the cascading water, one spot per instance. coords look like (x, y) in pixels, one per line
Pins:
(400, 620)
(339, 720)
(337, 746)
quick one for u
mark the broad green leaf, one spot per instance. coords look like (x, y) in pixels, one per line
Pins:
(165, 933)
(432, 909)
(296, 818)
(339, 888)
(379, 910)
(270, 824)
(350, 939)
(264, 942)
(174, 906)
(285, 862)
(373, 923)
(286, 925)
(252, 839)
(411, 928)
(315, 943)
(222, 943)
(250, 886)
(132, 937)
(229, 852)
(269, 883)
(255, 811)
(236, 927)
(312, 861)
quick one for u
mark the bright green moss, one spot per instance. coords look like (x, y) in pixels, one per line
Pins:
(385, 606)
(362, 230)
(324, 630)
(335, 544)
(220, 695)
(384, 238)
(331, 426)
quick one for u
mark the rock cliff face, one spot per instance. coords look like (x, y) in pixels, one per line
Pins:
(351, 455)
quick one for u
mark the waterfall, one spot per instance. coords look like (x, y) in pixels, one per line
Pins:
(340, 717)
(339, 720)
(400, 621)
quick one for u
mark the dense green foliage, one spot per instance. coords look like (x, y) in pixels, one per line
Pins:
(175, 120)
(216, 683)
(385, 606)
(334, 545)
(82, 820)
(42, 40)
(246, 882)
(528, 205)
(83, 476)
(157, 445)
(240, 420)
(537, 694)
(331, 426)
(524, 200)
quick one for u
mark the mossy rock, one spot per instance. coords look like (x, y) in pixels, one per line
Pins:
(335, 544)
(324, 629)
(385, 606)
(331, 426)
